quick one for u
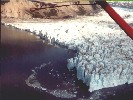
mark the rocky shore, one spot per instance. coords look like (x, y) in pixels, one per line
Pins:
(104, 51)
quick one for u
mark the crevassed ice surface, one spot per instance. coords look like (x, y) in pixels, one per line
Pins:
(104, 51)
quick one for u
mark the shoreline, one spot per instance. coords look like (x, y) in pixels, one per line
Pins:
(100, 43)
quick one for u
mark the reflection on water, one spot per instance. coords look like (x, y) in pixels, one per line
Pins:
(33, 70)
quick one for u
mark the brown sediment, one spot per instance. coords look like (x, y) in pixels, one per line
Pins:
(16, 9)
(24, 9)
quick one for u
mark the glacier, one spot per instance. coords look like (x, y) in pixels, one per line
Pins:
(104, 52)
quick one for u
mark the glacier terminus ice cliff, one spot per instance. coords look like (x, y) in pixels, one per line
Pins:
(104, 51)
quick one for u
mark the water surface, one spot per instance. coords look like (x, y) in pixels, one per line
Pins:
(20, 53)
(32, 69)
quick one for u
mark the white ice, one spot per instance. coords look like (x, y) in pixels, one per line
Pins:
(105, 52)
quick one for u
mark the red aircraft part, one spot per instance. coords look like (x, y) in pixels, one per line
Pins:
(117, 18)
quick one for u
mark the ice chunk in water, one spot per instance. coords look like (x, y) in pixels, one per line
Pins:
(70, 64)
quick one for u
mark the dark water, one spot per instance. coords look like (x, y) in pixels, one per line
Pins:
(21, 52)
(34, 70)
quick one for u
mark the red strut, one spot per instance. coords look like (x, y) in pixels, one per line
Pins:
(116, 17)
